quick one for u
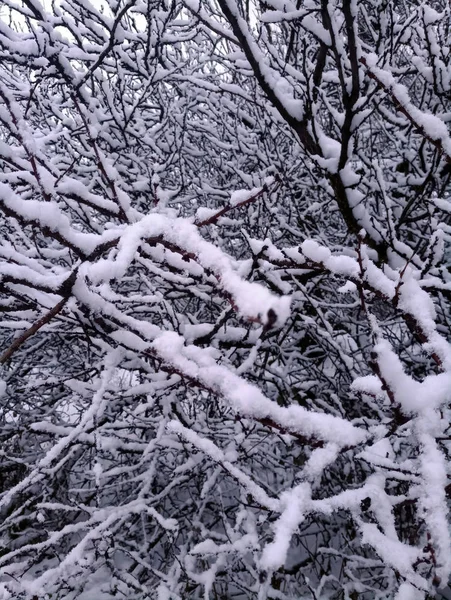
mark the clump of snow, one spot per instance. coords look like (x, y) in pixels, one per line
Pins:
(348, 288)
(252, 300)
(293, 505)
(240, 196)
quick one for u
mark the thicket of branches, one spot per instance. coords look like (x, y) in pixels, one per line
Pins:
(225, 287)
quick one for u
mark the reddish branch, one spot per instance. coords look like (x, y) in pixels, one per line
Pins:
(32, 330)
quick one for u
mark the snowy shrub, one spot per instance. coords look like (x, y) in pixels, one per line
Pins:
(224, 295)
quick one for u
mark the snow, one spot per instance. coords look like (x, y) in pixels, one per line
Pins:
(293, 503)
(433, 500)
(315, 252)
(369, 384)
(204, 411)
(339, 264)
(319, 460)
(247, 400)
(48, 215)
(413, 396)
(72, 187)
(252, 300)
(400, 556)
(407, 591)
(432, 125)
(240, 196)
(214, 452)
(430, 15)
(348, 288)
